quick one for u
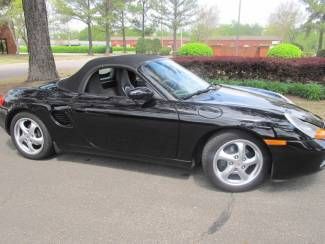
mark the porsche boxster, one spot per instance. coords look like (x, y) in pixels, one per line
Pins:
(151, 108)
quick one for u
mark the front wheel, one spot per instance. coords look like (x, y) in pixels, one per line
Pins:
(31, 136)
(235, 161)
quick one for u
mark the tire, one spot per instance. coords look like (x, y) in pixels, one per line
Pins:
(30, 136)
(236, 161)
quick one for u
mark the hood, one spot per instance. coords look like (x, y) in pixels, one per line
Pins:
(232, 96)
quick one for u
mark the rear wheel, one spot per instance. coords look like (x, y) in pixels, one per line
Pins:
(31, 136)
(235, 161)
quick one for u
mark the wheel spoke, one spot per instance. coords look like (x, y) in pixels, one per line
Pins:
(37, 141)
(225, 156)
(30, 146)
(241, 150)
(227, 172)
(32, 128)
(250, 161)
(242, 174)
(22, 126)
(21, 138)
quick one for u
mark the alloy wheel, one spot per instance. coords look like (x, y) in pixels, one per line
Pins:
(28, 136)
(238, 162)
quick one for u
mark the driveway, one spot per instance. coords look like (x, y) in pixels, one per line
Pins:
(9, 71)
(85, 199)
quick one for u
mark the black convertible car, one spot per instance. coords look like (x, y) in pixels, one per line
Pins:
(150, 108)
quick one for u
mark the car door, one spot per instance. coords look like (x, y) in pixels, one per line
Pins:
(119, 124)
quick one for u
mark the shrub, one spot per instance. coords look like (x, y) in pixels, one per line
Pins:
(285, 50)
(195, 49)
(141, 46)
(309, 91)
(165, 51)
(238, 68)
(148, 46)
(321, 53)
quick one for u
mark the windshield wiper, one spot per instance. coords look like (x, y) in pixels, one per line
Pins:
(209, 88)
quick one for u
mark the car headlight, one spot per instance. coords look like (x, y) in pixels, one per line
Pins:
(307, 128)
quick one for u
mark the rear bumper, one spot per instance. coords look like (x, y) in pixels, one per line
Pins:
(3, 117)
(297, 158)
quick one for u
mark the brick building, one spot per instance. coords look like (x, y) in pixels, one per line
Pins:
(7, 41)
(248, 46)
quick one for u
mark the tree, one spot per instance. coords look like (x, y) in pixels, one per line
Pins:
(82, 10)
(106, 19)
(207, 21)
(284, 20)
(140, 11)
(176, 14)
(242, 29)
(15, 15)
(121, 13)
(316, 19)
(41, 60)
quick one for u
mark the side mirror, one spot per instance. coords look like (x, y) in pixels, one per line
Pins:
(140, 93)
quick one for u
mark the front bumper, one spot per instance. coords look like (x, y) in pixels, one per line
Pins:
(297, 158)
(3, 117)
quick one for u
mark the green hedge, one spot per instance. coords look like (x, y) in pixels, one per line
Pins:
(81, 49)
(195, 49)
(148, 46)
(285, 50)
(310, 91)
(321, 53)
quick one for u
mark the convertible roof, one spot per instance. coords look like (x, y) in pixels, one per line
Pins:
(74, 82)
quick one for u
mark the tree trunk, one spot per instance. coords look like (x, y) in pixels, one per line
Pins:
(107, 26)
(174, 39)
(143, 18)
(41, 62)
(320, 40)
(175, 28)
(123, 32)
(90, 39)
(90, 35)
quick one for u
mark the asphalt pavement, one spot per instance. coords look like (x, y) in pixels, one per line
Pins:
(85, 199)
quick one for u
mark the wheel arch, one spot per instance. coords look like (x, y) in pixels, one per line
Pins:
(197, 153)
(16, 110)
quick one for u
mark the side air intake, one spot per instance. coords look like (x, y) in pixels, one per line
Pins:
(61, 118)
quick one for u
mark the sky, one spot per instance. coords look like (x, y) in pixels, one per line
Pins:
(253, 11)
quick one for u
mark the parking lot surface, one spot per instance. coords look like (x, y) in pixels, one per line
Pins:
(85, 199)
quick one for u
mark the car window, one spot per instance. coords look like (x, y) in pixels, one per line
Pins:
(102, 82)
(177, 80)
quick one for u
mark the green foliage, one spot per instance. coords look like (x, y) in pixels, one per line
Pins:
(148, 46)
(285, 50)
(141, 46)
(321, 53)
(165, 51)
(244, 30)
(310, 91)
(80, 49)
(195, 49)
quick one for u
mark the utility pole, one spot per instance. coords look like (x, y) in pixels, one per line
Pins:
(238, 26)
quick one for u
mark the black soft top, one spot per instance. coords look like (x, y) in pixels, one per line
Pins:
(75, 82)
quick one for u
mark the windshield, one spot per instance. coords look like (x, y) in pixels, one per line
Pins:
(177, 80)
